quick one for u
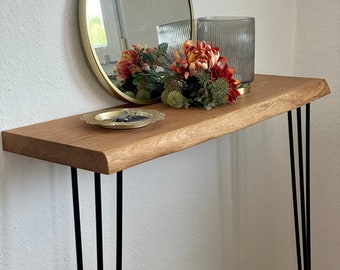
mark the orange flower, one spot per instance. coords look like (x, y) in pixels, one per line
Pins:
(127, 64)
(130, 62)
(199, 55)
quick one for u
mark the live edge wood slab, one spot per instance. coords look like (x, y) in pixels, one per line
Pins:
(71, 141)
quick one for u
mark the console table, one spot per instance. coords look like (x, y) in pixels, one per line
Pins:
(72, 142)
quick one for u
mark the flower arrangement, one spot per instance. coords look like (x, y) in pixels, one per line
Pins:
(198, 76)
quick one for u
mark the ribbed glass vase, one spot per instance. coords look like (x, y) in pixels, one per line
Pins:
(174, 34)
(235, 37)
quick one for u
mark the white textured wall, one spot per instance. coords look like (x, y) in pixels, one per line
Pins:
(318, 54)
(222, 205)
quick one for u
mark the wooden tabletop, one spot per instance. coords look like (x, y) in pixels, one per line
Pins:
(71, 141)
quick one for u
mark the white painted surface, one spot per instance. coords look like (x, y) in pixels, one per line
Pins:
(222, 205)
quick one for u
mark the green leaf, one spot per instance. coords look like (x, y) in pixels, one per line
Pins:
(163, 47)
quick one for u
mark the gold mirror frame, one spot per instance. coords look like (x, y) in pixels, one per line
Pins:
(95, 63)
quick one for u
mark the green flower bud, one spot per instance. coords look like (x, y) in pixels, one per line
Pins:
(143, 95)
(130, 94)
(176, 99)
(164, 95)
(172, 84)
(143, 85)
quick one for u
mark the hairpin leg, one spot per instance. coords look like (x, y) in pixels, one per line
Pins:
(99, 227)
(304, 188)
(119, 243)
(76, 211)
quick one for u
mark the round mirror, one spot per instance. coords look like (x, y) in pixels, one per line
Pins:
(109, 27)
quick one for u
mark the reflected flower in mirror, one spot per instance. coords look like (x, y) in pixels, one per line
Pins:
(140, 70)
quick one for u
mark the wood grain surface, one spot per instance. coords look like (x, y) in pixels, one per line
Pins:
(71, 141)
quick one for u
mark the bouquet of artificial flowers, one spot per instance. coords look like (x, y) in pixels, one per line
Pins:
(198, 76)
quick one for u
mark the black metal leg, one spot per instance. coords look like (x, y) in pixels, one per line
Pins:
(76, 211)
(119, 243)
(304, 187)
(309, 245)
(99, 227)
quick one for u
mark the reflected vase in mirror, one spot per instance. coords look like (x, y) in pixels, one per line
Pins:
(174, 34)
(235, 37)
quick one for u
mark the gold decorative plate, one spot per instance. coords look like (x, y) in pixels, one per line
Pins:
(123, 118)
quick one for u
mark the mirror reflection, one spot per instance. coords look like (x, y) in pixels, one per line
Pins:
(110, 26)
